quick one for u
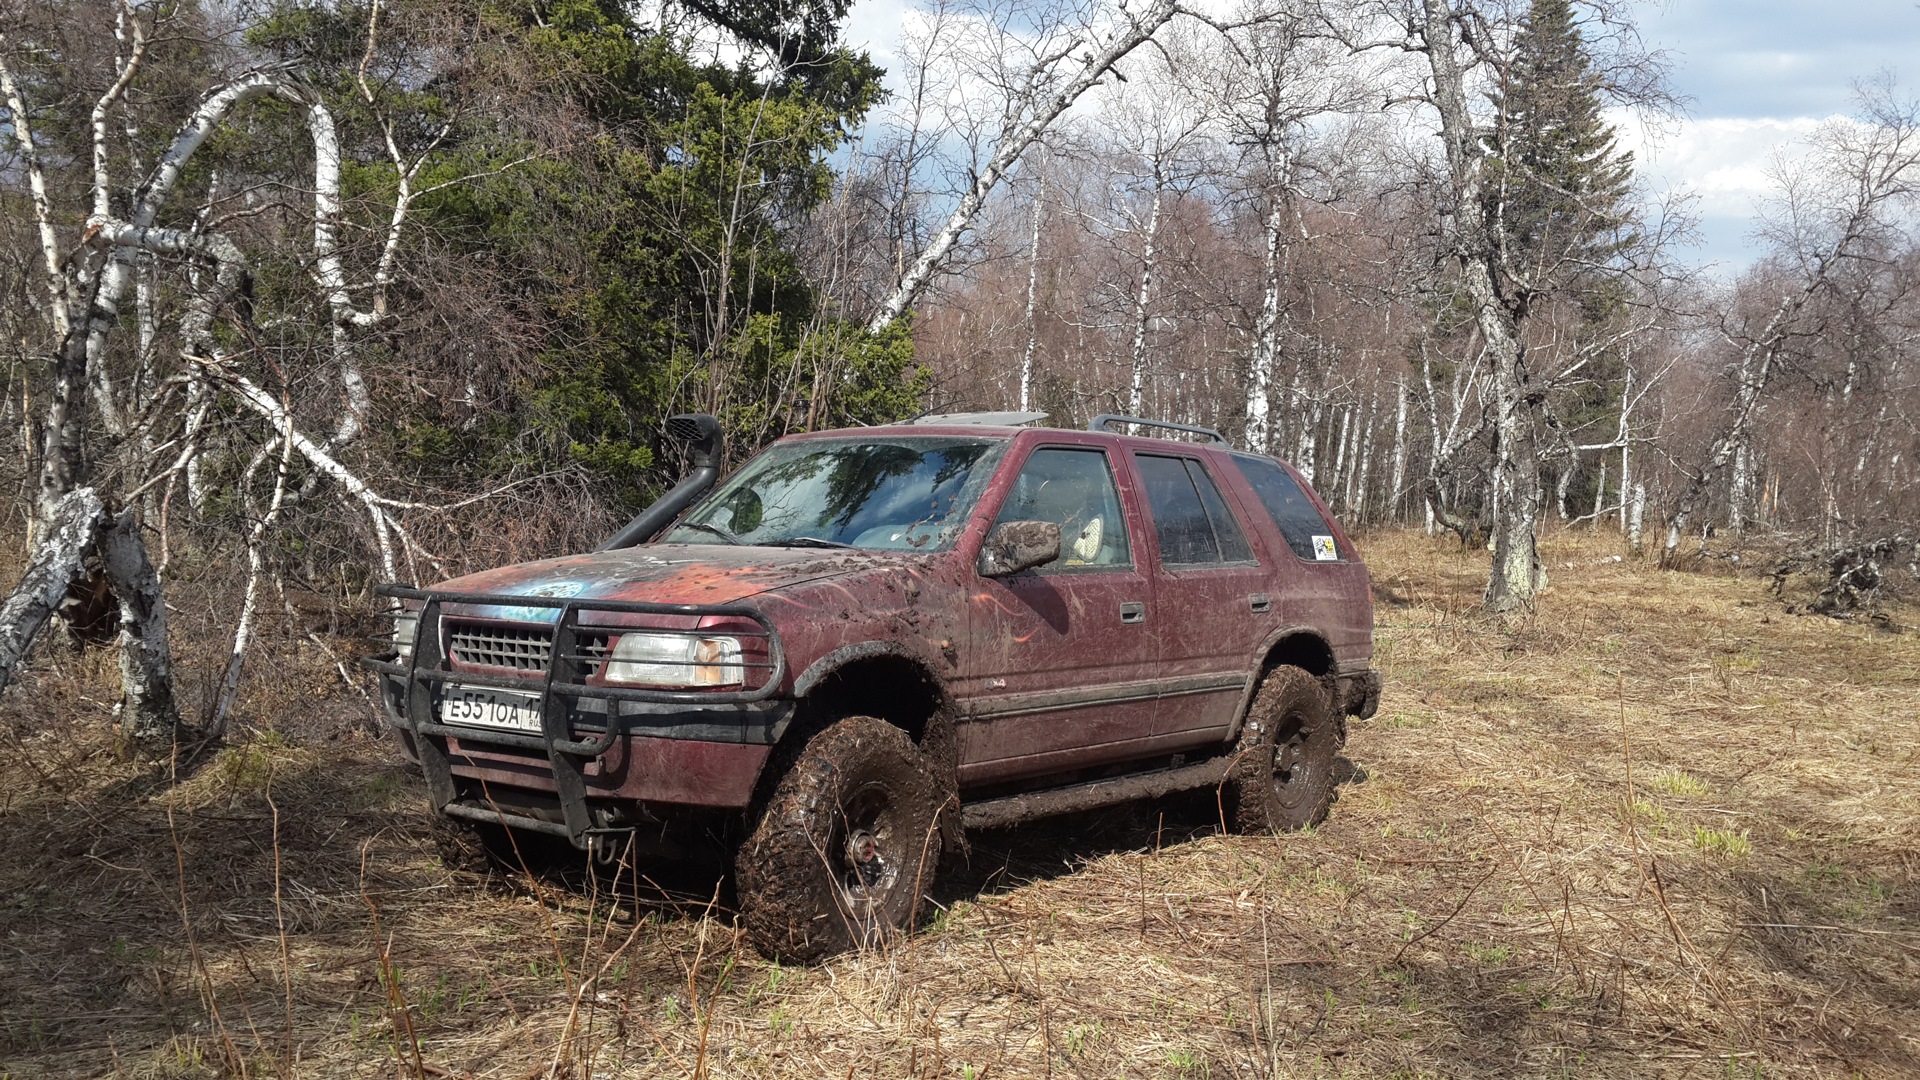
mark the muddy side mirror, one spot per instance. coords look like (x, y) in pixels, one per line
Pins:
(1014, 546)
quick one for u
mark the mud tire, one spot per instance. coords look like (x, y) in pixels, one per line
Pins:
(845, 846)
(471, 847)
(1283, 775)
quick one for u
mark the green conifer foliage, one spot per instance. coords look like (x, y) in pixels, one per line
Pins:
(618, 209)
(1558, 192)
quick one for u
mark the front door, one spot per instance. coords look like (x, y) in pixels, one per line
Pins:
(1060, 672)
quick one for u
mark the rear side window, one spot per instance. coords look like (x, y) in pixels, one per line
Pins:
(1299, 521)
(1190, 519)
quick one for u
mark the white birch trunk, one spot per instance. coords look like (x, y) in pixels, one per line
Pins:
(1309, 440)
(62, 548)
(59, 298)
(1399, 453)
(149, 718)
(1357, 490)
(1517, 574)
(1143, 299)
(1033, 295)
(1342, 478)
(1562, 484)
(1742, 484)
(1266, 333)
(249, 604)
(1626, 448)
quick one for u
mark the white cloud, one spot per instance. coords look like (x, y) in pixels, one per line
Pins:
(1725, 165)
(1727, 162)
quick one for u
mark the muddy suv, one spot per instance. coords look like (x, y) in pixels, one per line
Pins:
(865, 642)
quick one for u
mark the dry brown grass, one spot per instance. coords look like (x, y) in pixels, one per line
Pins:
(1659, 828)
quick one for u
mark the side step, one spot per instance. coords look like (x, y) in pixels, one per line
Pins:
(1028, 805)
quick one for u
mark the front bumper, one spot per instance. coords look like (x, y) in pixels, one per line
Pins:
(605, 755)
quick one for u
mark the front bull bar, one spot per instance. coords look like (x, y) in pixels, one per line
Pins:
(561, 686)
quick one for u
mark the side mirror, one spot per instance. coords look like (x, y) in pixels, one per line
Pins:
(1014, 546)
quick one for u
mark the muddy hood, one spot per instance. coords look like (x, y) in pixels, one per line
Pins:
(664, 574)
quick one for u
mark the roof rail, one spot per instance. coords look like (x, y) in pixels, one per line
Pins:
(1101, 422)
(983, 419)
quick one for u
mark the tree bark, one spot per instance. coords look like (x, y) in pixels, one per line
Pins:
(1033, 295)
(1626, 447)
(65, 541)
(149, 718)
(1266, 332)
(1635, 515)
(1517, 575)
(1357, 487)
(1136, 402)
(1399, 453)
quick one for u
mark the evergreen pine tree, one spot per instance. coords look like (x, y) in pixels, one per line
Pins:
(1558, 196)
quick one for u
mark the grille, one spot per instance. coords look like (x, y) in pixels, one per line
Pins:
(513, 647)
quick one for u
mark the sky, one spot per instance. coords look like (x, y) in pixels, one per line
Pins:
(1760, 76)
(1757, 76)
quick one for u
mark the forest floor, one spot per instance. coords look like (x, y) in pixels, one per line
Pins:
(1658, 828)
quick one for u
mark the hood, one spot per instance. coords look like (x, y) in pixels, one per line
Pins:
(664, 574)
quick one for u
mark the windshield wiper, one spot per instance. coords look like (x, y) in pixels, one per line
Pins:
(807, 541)
(714, 530)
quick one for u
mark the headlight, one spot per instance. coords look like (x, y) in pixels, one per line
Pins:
(675, 660)
(406, 630)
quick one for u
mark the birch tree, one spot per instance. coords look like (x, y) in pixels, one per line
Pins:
(1838, 210)
(122, 227)
(1492, 200)
(1266, 80)
(1032, 64)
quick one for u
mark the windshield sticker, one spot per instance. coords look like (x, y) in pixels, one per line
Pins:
(1324, 549)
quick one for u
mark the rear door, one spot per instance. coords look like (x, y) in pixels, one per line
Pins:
(1060, 668)
(1321, 581)
(1213, 595)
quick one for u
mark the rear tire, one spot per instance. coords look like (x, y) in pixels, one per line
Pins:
(845, 847)
(1283, 776)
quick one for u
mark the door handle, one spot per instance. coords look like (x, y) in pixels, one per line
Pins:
(1133, 611)
(1259, 602)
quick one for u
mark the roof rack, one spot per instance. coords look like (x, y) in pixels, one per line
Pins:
(982, 419)
(1104, 420)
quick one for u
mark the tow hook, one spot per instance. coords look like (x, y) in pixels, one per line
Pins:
(608, 845)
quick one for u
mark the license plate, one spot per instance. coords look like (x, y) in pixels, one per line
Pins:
(484, 707)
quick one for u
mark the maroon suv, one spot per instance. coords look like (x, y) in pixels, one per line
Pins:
(865, 641)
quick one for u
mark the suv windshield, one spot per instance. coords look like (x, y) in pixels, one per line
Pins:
(909, 494)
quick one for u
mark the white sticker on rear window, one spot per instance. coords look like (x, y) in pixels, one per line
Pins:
(1324, 549)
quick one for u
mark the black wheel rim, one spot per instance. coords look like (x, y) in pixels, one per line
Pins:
(1295, 768)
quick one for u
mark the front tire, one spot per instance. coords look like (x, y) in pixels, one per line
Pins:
(472, 847)
(845, 846)
(1283, 777)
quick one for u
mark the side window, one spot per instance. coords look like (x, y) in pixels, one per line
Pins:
(1190, 519)
(1299, 521)
(1073, 489)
